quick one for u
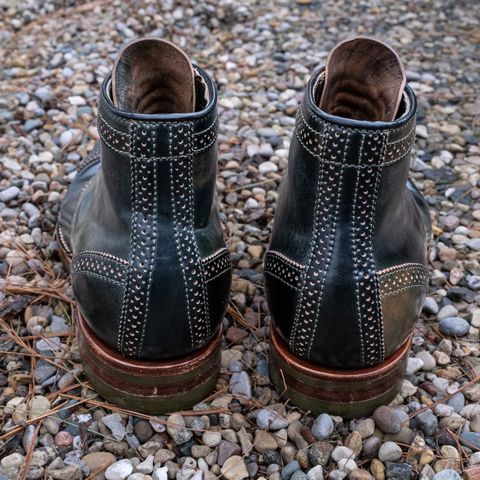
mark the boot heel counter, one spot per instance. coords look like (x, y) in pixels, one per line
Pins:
(402, 290)
(354, 179)
(217, 275)
(98, 282)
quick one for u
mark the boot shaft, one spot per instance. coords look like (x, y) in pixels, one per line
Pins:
(347, 234)
(150, 269)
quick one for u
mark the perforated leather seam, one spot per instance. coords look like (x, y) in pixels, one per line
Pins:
(403, 289)
(103, 254)
(403, 277)
(91, 159)
(293, 333)
(122, 134)
(102, 277)
(218, 274)
(331, 244)
(108, 133)
(216, 264)
(61, 237)
(143, 236)
(269, 272)
(282, 269)
(358, 167)
(399, 150)
(98, 264)
(355, 256)
(214, 255)
(187, 248)
(286, 259)
(213, 125)
(402, 266)
(372, 233)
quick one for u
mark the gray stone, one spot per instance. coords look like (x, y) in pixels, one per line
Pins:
(114, 423)
(39, 406)
(289, 469)
(365, 427)
(474, 282)
(319, 453)
(414, 364)
(389, 452)
(12, 463)
(371, 446)
(59, 325)
(347, 465)
(447, 475)
(226, 450)
(270, 420)
(299, 475)
(427, 422)
(267, 132)
(44, 370)
(454, 326)
(337, 475)
(387, 420)
(323, 426)
(146, 466)
(212, 438)
(240, 386)
(9, 193)
(428, 360)
(32, 124)
(430, 306)
(44, 94)
(398, 471)
(176, 429)
(473, 244)
(447, 311)
(160, 473)
(472, 438)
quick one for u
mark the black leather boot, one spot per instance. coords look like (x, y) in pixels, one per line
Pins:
(346, 270)
(140, 227)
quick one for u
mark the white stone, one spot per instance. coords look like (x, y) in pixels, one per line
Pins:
(470, 410)
(267, 167)
(342, 452)
(211, 439)
(347, 465)
(414, 365)
(119, 470)
(315, 473)
(146, 466)
(160, 474)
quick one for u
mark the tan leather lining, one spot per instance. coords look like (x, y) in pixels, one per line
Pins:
(153, 76)
(364, 80)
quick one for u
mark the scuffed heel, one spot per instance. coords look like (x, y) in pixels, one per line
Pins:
(148, 387)
(348, 393)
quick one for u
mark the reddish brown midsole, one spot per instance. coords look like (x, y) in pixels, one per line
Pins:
(330, 384)
(143, 377)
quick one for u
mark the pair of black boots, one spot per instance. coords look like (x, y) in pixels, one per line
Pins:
(345, 273)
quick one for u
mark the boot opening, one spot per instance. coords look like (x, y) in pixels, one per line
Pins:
(153, 76)
(364, 80)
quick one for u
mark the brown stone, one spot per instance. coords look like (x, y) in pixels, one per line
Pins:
(98, 462)
(264, 441)
(236, 335)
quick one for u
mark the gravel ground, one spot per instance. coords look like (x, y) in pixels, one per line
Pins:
(55, 54)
